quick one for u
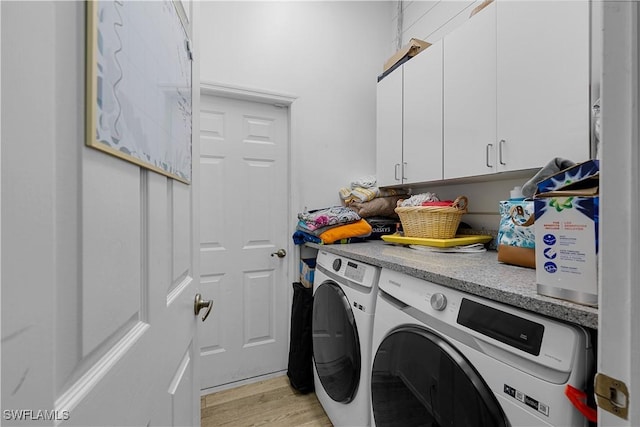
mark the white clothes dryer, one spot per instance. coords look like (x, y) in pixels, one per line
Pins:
(344, 298)
(448, 358)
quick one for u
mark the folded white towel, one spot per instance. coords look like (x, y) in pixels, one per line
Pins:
(364, 182)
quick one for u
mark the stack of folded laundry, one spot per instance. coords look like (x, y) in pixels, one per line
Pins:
(370, 201)
(336, 224)
(375, 205)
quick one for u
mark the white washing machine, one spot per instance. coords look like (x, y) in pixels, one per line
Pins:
(344, 298)
(444, 357)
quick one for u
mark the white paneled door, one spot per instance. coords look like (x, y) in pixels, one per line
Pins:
(99, 271)
(244, 206)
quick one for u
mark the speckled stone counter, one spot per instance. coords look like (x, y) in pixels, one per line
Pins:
(477, 273)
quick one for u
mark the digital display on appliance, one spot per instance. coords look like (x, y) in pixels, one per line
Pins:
(354, 271)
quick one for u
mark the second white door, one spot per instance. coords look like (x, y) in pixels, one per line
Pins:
(244, 210)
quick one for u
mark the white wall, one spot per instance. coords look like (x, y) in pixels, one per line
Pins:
(328, 55)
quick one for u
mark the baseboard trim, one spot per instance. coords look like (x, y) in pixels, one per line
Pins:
(234, 384)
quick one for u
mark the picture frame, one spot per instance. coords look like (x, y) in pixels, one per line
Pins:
(139, 83)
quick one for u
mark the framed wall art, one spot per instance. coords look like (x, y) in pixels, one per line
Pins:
(139, 84)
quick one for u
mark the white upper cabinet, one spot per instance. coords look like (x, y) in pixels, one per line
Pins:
(422, 134)
(516, 88)
(543, 82)
(470, 144)
(389, 129)
(409, 121)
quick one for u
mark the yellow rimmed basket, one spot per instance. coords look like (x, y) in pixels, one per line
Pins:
(432, 222)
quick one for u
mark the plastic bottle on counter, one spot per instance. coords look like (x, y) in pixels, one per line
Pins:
(516, 193)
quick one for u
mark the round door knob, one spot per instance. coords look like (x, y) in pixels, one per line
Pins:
(281, 253)
(438, 301)
(199, 304)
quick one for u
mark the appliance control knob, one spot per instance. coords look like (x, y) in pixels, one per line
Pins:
(438, 301)
(337, 263)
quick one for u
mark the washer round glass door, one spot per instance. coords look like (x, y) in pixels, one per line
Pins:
(419, 379)
(336, 346)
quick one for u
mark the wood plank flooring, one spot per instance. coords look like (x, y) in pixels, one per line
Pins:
(271, 402)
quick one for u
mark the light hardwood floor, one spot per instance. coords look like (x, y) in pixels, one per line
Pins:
(271, 402)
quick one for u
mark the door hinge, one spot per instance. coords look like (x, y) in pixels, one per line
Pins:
(187, 47)
(612, 395)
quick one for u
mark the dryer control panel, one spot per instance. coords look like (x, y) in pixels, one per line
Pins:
(356, 271)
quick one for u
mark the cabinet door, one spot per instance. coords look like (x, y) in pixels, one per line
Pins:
(389, 129)
(422, 130)
(542, 82)
(470, 97)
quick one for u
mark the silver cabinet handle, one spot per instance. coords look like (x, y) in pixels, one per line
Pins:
(395, 171)
(500, 145)
(404, 167)
(199, 304)
(487, 155)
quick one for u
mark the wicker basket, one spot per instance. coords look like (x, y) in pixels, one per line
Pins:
(432, 222)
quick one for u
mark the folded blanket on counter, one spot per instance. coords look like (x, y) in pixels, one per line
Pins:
(300, 237)
(329, 216)
(359, 228)
(364, 182)
(360, 194)
(380, 206)
(302, 226)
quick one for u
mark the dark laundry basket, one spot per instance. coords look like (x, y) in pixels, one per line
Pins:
(300, 367)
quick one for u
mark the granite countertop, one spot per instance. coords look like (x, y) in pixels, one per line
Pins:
(476, 273)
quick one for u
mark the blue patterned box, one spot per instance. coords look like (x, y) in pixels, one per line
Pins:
(516, 234)
(567, 210)
(307, 271)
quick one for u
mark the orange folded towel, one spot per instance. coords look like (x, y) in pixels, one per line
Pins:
(359, 228)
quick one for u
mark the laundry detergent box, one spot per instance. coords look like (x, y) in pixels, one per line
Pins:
(566, 230)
